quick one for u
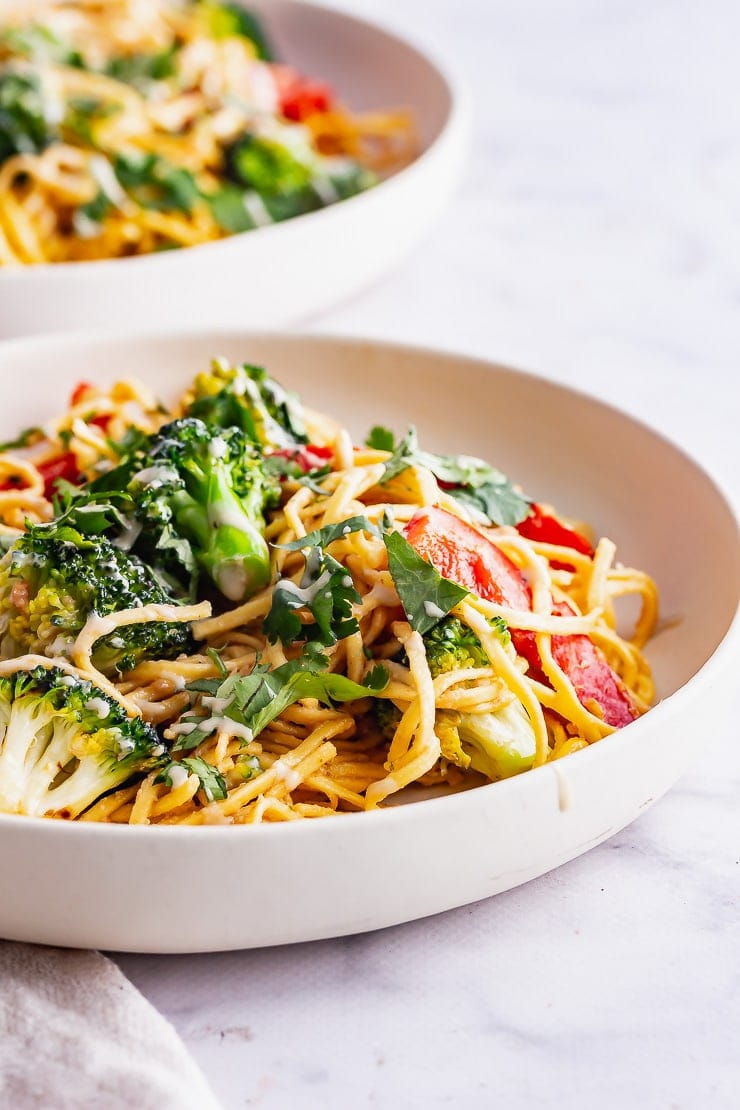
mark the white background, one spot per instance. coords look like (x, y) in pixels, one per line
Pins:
(595, 239)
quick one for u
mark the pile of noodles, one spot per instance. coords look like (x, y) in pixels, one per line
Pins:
(319, 761)
(219, 90)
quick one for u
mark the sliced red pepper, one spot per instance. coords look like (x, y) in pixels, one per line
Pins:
(308, 457)
(464, 555)
(300, 97)
(64, 466)
(542, 527)
(101, 421)
(79, 392)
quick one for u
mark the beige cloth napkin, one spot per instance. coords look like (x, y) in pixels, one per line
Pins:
(76, 1035)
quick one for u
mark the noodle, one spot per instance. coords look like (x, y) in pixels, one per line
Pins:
(130, 128)
(312, 759)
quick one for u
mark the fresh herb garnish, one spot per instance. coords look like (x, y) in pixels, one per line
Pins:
(27, 438)
(326, 592)
(322, 537)
(255, 700)
(212, 783)
(473, 482)
(153, 182)
(381, 439)
(425, 595)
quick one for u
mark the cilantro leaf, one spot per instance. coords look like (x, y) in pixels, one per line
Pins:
(497, 500)
(326, 592)
(257, 699)
(322, 537)
(27, 438)
(153, 182)
(380, 438)
(425, 595)
(473, 482)
(212, 783)
(229, 210)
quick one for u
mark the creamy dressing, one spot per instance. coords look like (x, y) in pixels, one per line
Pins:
(155, 476)
(305, 594)
(286, 774)
(232, 580)
(433, 611)
(218, 448)
(98, 706)
(129, 535)
(177, 776)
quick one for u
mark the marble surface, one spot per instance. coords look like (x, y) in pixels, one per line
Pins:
(595, 239)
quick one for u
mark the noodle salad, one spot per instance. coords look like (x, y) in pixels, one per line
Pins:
(134, 126)
(227, 612)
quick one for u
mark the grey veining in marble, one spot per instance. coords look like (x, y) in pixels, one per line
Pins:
(596, 239)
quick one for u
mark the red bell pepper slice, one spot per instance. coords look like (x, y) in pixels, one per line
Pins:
(542, 527)
(300, 97)
(79, 392)
(308, 457)
(464, 555)
(64, 466)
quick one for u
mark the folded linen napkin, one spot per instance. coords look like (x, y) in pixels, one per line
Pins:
(76, 1035)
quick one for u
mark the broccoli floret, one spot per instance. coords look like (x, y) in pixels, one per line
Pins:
(387, 717)
(54, 577)
(247, 397)
(498, 744)
(199, 497)
(290, 177)
(64, 743)
(451, 645)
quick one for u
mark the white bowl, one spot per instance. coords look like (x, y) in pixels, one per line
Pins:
(287, 271)
(182, 889)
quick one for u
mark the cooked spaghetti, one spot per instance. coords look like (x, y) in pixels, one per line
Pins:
(267, 622)
(130, 127)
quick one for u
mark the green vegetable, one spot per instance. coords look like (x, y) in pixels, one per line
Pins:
(425, 595)
(322, 537)
(381, 439)
(212, 783)
(253, 701)
(247, 397)
(266, 165)
(40, 44)
(54, 577)
(140, 70)
(80, 116)
(452, 645)
(23, 125)
(200, 497)
(64, 743)
(229, 210)
(153, 182)
(226, 20)
(326, 592)
(473, 482)
(498, 744)
(26, 438)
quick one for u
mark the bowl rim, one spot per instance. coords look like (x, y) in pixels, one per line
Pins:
(727, 647)
(456, 121)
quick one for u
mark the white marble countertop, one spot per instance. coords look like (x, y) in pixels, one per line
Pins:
(596, 240)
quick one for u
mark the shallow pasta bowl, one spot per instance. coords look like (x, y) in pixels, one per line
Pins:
(287, 271)
(175, 889)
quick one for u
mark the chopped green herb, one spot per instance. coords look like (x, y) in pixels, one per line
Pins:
(425, 595)
(322, 537)
(381, 439)
(473, 482)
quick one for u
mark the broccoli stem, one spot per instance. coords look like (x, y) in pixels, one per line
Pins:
(231, 548)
